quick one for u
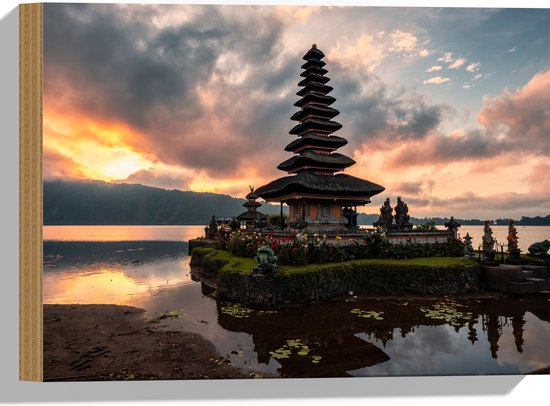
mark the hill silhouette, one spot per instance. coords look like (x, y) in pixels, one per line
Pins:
(101, 203)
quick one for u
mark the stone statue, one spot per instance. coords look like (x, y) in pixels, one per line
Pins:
(512, 237)
(212, 229)
(453, 226)
(385, 219)
(401, 216)
(539, 248)
(234, 224)
(266, 260)
(468, 250)
(488, 240)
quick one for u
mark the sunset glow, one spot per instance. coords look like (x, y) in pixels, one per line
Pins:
(200, 97)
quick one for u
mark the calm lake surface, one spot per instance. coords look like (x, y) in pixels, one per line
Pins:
(148, 267)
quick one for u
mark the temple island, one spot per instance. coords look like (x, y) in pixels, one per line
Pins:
(318, 251)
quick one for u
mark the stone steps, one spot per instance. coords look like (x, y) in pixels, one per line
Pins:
(528, 285)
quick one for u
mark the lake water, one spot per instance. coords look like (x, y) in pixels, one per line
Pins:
(148, 267)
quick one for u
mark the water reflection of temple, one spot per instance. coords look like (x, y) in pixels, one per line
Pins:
(332, 332)
(493, 325)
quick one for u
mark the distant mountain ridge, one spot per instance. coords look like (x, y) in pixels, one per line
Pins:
(102, 203)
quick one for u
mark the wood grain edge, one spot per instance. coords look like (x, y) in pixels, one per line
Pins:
(30, 192)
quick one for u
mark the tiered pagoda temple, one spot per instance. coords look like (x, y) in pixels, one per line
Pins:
(316, 193)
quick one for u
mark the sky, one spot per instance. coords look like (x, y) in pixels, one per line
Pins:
(446, 107)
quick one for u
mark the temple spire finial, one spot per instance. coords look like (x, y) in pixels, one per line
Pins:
(314, 46)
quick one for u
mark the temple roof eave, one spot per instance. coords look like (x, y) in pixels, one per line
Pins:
(333, 162)
(339, 186)
(311, 140)
(314, 125)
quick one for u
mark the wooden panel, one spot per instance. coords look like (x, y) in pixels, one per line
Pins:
(313, 210)
(336, 211)
(30, 193)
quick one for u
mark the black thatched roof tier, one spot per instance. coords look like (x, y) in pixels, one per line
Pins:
(251, 204)
(314, 54)
(322, 126)
(252, 195)
(251, 216)
(330, 142)
(313, 64)
(315, 98)
(314, 78)
(339, 186)
(314, 70)
(315, 111)
(315, 88)
(329, 162)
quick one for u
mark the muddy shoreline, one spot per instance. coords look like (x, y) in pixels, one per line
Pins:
(111, 342)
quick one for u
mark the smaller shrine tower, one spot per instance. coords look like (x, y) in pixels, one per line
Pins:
(251, 218)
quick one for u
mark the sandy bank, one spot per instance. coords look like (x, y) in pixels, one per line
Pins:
(108, 342)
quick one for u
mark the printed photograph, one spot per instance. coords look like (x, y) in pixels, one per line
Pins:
(267, 192)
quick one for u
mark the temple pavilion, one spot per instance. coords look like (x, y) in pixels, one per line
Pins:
(317, 193)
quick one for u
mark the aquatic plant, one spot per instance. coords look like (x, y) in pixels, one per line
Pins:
(236, 310)
(297, 347)
(447, 311)
(368, 314)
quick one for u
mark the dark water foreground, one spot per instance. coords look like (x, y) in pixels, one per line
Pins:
(483, 334)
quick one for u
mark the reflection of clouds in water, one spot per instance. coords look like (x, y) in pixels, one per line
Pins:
(114, 283)
(536, 345)
(104, 286)
(438, 351)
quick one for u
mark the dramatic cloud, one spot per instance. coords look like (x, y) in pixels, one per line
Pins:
(169, 179)
(539, 178)
(517, 120)
(473, 67)
(520, 118)
(437, 80)
(413, 188)
(434, 68)
(457, 63)
(366, 53)
(447, 57)
(169, 82)
(406, 45)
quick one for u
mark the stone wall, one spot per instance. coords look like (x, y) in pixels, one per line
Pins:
(335, 280)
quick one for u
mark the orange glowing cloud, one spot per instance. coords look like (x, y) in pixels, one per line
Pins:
(85, 147)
